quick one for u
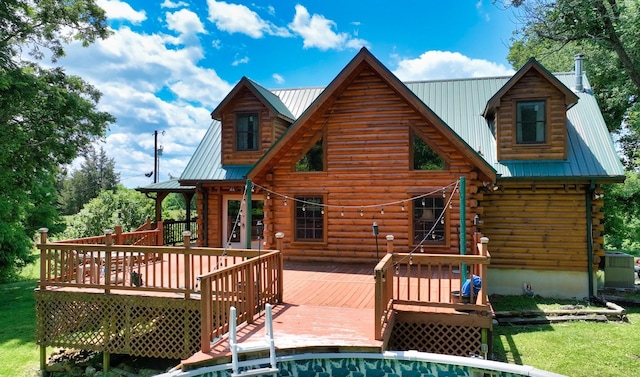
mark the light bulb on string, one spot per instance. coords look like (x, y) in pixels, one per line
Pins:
(304, 207)
(361, 211)
(433, 235)
(411, 260)
(382, 211)
(403, 206)
(322, 211)
(423, 202)
(444, 193)
(284, 202)
(342, 212)
(442, 220)
(268, 196)
(397, 269)
(421, 248)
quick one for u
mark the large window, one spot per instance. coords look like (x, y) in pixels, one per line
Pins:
(247, 132)
(425, 158)
(313, 160)
(530, 122)
(309, 223)
(428, 220)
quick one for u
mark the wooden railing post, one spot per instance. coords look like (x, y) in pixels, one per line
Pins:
(279, 238)
(108, 242)
(160, 234)
(186, 237)
(390, 243)
(43, 257)
(484, 251)
(118, 240)
(206, 304)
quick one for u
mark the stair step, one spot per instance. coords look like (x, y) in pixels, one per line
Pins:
(252, 346)
(256, 372)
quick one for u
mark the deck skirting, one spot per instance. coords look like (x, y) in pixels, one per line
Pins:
(120, 324)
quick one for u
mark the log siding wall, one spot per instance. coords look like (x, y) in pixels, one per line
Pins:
(541, 226)
(532, 86)
(367, 128)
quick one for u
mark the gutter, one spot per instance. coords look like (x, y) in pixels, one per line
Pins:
(589, 213)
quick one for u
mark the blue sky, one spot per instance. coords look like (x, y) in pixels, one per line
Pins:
(169, 63)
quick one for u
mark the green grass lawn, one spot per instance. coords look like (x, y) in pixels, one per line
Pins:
(19, 355)
(574, 349)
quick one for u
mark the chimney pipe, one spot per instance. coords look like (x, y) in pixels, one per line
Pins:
(578, 72)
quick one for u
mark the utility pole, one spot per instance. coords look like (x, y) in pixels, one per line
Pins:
(157, 152)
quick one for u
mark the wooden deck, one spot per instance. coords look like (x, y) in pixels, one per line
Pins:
(328, 308)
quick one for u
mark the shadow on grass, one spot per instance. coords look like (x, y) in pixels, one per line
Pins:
(17, 313)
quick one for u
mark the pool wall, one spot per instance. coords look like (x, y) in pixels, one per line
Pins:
(386, 364)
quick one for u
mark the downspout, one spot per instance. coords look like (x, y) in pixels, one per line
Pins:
(589, 210)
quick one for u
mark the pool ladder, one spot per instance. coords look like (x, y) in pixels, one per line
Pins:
(264, 344)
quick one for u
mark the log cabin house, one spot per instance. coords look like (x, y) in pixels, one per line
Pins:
(322, 165)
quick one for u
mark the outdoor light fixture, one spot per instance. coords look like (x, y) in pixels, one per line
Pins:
(374, 227)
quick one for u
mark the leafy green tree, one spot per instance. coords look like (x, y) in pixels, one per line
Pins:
(96, 174)
(622, 214)
(47, 116)
(123, 206)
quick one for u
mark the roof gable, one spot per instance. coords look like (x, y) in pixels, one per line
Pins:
(360, 62)
(270, 100)
(532, 64)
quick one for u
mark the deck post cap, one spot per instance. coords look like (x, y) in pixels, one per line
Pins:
(390, 237)
(43, 230)
(280, 235)
(108, 231)
(186, 233)
(484, 240)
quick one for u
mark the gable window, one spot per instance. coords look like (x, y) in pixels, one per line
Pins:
(428, 220)
(247, 132)
(425, 158)
(313, 160)
(309, 219)
(530, 122)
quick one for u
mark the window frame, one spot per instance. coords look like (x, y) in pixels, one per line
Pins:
(244, 135)
(413, 135)
(519, 122)
(321, 219)
(443, 229)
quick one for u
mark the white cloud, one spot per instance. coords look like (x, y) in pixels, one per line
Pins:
(317, 32)
(116, 9)
(186, 23)
(243, 60)
(172, 5)
(278, 78)
(434, 65)
(237, 18)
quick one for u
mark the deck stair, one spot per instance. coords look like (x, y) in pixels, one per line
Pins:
(264, 344)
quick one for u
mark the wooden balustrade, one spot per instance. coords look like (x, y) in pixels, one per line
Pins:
(110, 266)
(141, 236)
(428, 280)
(247, 286)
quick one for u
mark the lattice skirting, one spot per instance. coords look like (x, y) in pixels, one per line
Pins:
(436, 338)
(120, 324)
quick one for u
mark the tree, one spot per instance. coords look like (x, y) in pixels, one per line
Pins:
(608, 33)
(96, 174)
(123, 206)
(47, 116)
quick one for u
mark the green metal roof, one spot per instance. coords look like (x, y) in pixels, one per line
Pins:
(273, 100)
(459, 103)
(166, 186)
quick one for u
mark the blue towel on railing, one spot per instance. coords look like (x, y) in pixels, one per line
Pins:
(477, 284)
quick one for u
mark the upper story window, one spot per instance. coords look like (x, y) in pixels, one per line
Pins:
(531, 122)
(247, 126)
(425, 158)
(313, 160)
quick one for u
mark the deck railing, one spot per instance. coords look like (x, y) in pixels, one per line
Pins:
(173, 229)
(247, 286)
(109, 266)
(144, 235)
(428, 280)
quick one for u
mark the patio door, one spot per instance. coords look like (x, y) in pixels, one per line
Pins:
(234, 222)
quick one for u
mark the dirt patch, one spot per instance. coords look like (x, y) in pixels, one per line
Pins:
(71, 362)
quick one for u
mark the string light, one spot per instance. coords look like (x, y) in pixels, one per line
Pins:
(411, 260)
(382, 210)
(268, 196)
(397, 268)
(423, 201)
(403, 206)
(444, 193)
(342, 212)
(421, 248)
(304, 207)
(361, 211)
(322, 211)
(284, 202)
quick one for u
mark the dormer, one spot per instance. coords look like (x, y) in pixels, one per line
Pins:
(529, 115)
(252, 119)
